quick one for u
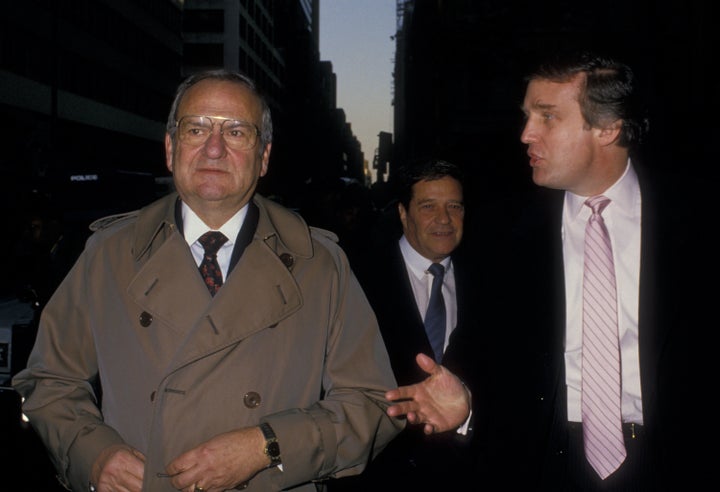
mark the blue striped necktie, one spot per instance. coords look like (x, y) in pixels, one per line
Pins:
(435, 314)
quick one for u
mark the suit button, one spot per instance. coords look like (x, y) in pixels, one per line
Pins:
(252, 399)
(287, 259)
(146, 319)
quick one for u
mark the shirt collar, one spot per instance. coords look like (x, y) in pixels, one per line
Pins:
(194, 227)
(622, 194)
(416, 262)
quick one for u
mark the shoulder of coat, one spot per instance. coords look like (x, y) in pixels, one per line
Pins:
(109, 220)
(323, 233)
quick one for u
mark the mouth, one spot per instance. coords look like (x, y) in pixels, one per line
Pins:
(211, 170)
(534, 158)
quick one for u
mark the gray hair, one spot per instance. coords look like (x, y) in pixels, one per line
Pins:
(266, 126)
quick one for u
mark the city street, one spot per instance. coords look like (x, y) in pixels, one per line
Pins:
(23, 460)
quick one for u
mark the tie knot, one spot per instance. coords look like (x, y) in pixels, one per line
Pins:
(437, 270)
(597, 203)
(212, 241)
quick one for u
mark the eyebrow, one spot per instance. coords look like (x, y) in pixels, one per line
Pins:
(434, 200)
(539, 105)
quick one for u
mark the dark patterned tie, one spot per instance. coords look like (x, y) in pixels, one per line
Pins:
(209, 268)
(435, 314)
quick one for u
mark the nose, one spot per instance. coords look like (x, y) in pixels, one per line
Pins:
(443, 216)
(528, 134)
(215, 144)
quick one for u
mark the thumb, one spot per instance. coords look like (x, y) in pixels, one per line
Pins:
(426, 363)
(138, 454)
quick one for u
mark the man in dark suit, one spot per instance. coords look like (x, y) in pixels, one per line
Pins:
(436, 454)
(583, 126)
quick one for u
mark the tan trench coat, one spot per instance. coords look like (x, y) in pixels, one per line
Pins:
(289, 339)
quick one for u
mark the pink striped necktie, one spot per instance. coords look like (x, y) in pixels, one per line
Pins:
(601, 413)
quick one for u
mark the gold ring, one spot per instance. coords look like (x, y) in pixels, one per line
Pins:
(199, 489)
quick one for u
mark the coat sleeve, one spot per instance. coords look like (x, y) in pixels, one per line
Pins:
(348, 426)
(59, 384)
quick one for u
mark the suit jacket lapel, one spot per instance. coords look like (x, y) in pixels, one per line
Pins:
(399, 280)
(651, 333)
(558, 302)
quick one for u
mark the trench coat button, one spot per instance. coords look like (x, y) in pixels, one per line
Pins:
(252, 399)
(145, 319)
(287, 259)
(152, 396)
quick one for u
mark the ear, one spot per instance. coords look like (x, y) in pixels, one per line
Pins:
(265, 160)
(168, 153)
(403, 214)
(610, 133)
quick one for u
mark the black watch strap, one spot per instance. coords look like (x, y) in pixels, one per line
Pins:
(272, 447)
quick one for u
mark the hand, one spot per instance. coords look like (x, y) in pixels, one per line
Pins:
(119, 467)
(221, 463)
(441, 402)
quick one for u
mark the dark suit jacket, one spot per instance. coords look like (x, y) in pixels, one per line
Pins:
(674, 336)
(413, 461)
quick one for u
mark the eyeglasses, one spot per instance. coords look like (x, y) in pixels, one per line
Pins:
(237, 134)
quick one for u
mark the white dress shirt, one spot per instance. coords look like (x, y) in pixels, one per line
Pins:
(623, 220)
(421, 281)
(194, 227)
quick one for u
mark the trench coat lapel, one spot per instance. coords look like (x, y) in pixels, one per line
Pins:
(200, 324)
(155, 287)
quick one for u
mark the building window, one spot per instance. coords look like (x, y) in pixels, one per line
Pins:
(203, 21)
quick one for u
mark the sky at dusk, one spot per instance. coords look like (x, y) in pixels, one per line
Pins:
(355, 35)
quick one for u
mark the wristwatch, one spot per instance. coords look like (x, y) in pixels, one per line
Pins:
(272, 448)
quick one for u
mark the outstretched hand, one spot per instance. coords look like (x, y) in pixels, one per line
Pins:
(441, 402)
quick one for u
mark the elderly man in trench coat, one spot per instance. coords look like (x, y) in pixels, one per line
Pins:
(141, 379)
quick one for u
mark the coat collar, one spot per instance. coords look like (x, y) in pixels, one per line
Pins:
(277, 227)
(169, 287)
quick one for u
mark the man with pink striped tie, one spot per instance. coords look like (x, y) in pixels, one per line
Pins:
(614, 273)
